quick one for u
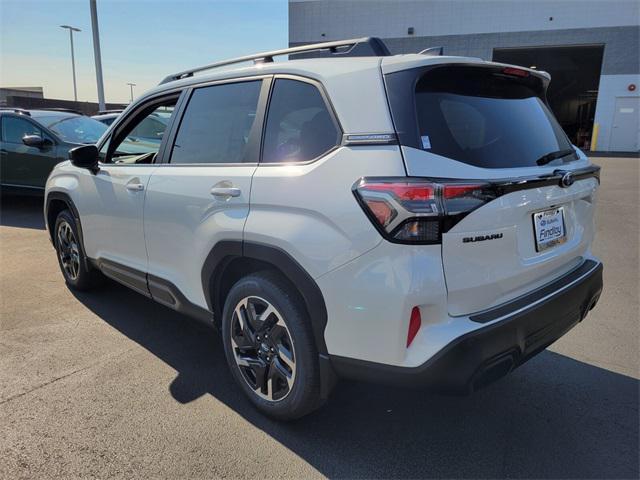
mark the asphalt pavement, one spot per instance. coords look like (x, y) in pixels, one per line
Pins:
(111, 384)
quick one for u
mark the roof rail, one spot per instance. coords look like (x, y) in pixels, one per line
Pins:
(436, 51)
(112, 110)
(60, 109)
(21, 111)
(377, 46)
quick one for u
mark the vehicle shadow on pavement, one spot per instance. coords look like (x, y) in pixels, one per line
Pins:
(21, 211)
(553, 417)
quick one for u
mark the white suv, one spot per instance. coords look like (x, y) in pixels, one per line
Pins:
(412, 219)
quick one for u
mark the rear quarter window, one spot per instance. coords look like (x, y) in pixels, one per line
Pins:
(299, 127)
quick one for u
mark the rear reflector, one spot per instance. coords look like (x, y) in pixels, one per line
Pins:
(414, 325)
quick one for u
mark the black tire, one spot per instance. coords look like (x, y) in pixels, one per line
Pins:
(75, 268)
(303, 396)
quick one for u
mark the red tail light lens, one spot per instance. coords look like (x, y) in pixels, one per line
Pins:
(455, 190)
(415, 321)
(383, 212)
(405, 192)
(418, 210)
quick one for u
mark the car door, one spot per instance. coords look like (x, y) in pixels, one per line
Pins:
(113, 198)
(23, 165)
(199, 195)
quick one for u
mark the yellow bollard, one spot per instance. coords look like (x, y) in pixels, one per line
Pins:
(594, 137)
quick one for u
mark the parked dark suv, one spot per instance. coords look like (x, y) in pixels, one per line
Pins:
(32, 142)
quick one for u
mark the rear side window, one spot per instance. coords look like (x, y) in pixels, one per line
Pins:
(14, 129)
(299, 125)
(486, 118)
(217, 124)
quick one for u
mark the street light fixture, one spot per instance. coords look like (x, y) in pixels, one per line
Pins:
(131, 85)
(73, 60)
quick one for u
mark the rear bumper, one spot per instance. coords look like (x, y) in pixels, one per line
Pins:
(514, 333)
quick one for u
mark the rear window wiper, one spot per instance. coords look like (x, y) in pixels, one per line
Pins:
(550, 157)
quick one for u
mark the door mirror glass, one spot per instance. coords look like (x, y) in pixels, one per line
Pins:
(33, 141)
(85, 156)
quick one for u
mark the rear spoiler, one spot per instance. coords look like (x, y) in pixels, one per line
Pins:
(434, 56)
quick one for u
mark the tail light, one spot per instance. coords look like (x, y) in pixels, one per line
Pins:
(409, 210)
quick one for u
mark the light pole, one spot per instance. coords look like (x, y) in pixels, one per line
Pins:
(73, 60)
(131, 85)
(96, 52)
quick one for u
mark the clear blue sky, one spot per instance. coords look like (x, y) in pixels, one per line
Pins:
(141, 40)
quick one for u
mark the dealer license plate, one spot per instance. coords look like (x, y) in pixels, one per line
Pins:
(549, 228)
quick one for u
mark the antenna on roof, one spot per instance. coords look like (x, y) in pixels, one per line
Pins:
(434, 51)
(340, 47)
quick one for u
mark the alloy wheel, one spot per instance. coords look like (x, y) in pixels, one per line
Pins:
(68, 250)
(263, 348)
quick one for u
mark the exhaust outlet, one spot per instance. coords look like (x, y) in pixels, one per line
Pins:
(590, 305)
(493, 370)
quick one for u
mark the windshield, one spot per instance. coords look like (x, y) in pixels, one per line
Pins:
(487, 118)
(76, 129)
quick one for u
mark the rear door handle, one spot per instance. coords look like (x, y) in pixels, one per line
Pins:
(135, 187)
(225, 192)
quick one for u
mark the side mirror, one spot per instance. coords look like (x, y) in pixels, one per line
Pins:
(85, 156)
(34, 141)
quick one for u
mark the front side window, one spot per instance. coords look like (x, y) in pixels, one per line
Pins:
(141, 140)
(217, 124)
(150, 128)
(15, 129)
(299, 125)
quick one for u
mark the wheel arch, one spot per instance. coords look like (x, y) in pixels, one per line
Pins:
(54, 203)
(228, 261)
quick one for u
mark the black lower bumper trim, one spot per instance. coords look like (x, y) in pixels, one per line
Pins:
(488, 353)
(555, 286)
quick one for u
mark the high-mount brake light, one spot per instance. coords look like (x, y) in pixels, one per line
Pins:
(412, 210)
(515, 72)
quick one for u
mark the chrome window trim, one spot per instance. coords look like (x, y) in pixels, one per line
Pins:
(353, 139)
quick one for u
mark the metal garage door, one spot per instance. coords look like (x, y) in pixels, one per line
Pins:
(625, 136)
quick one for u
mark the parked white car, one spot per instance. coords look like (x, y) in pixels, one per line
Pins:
(411, 219)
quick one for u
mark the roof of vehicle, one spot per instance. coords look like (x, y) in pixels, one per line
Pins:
(339, 74)
(37, 113)
(53, 113)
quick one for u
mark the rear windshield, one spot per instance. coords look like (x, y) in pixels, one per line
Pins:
(486, 118)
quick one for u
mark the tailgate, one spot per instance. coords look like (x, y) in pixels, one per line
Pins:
(513, 198)
(495, 254)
